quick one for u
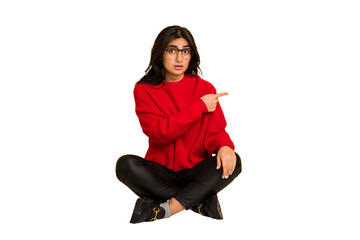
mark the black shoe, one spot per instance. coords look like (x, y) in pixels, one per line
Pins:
(210, 207)
(146, 210)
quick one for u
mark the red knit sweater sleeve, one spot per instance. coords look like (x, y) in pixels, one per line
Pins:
(160, 128)
(216, 136)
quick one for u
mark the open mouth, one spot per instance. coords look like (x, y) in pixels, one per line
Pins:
(178, 67)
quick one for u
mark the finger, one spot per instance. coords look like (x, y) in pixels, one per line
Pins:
(221, 94)
(232, 170)
(233, 167)
(218, 164)
(225, 170)
(229, 170)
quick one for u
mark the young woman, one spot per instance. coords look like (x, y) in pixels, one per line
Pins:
(181, 115)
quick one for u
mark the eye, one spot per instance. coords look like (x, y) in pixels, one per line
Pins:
(171, 50)
(187, 51)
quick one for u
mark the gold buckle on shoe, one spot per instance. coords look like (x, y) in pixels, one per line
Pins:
(156, 211)
(199, 209)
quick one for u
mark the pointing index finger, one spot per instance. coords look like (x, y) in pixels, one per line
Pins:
(221, 94)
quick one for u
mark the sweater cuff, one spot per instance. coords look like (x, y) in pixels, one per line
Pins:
(198, 107)
(230, 145)
(202, 106)
(225, 142)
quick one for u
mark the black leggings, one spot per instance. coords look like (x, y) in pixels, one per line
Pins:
(189, 187)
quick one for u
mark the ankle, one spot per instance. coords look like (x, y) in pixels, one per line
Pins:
(175, 206)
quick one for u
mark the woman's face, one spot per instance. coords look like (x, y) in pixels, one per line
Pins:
(176, 62)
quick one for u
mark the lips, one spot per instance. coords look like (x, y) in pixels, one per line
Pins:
(178, 67)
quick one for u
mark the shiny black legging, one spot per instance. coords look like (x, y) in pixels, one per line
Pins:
(189, 187)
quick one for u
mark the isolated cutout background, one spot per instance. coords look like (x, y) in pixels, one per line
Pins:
(68, 69)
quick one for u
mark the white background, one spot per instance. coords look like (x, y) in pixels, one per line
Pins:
(67, 73)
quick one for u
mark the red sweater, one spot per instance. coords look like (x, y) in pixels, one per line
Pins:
(181, 131)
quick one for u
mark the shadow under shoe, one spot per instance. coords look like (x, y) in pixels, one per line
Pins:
(210, 207)
(146, 210)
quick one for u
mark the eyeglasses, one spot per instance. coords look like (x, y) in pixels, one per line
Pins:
(173, 51)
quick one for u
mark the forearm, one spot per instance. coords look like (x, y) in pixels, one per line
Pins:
(165, 129)
(216, 136)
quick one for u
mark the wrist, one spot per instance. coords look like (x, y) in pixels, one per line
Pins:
(225, 147)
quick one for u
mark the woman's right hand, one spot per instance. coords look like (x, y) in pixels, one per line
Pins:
(211, 100)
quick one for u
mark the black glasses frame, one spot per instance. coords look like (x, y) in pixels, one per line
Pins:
(179, 50)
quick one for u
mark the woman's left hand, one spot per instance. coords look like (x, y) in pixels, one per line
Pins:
(227, 159)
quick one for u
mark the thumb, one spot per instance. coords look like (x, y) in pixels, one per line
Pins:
(218, 160)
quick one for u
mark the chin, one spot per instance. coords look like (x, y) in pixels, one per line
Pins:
(177, 73)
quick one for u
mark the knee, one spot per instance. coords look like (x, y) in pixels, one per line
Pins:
(238, 167)
(124, 165)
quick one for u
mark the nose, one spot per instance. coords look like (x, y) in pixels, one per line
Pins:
(179, 56)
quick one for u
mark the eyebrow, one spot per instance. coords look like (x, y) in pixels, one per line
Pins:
(185, 46)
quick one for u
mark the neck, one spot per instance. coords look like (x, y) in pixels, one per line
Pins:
(174, 78)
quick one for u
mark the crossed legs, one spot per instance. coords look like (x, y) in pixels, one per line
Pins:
(184, 189)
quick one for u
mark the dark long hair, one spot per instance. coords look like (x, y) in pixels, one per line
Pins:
(155, 72)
